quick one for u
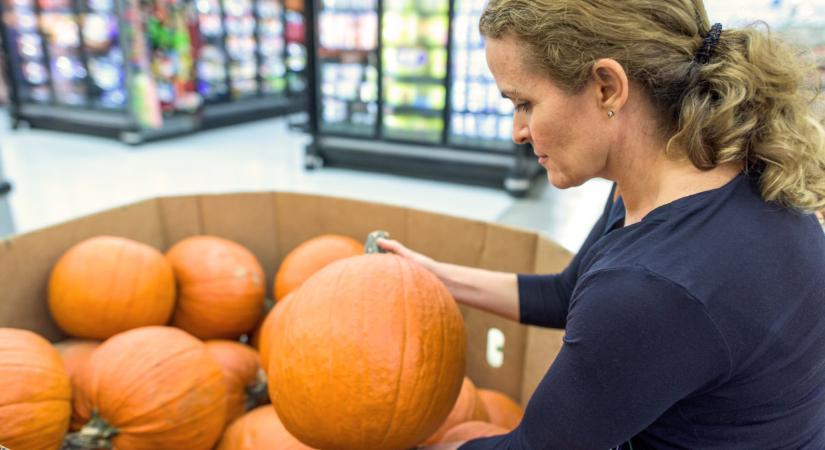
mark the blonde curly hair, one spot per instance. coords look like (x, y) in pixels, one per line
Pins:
(749, 104)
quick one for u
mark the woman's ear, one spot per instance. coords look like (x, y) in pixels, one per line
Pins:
(611, 85)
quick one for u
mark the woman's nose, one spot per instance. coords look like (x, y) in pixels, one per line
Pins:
(521, 132)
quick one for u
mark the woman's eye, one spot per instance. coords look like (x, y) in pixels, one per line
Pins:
(522, 107)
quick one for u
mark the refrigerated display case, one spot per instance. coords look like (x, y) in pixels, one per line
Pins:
(143, 69)
(403, 86)
(104, 55)
(24, 50)
(242, 61)
(296, 48)
(60, 28)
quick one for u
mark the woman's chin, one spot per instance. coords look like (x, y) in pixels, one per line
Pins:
(560, 181)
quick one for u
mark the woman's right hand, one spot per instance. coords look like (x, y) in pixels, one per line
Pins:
(495, 292)
(399, 249)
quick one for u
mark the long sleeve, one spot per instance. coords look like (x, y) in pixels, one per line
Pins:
(635, 344)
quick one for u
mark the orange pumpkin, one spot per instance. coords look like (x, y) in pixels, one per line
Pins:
(468, 407)
(259, 429)
(75, 353)
(245, 380)
(222, 287)
(370, 355)
(473, 430)
(151, 387)
(265, 332)
(106, 285)
(35, 395)
(310, 257)
(502, 410)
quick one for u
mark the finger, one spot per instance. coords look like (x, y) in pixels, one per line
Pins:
(389, 244)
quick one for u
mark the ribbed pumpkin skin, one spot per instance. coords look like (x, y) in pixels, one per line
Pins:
(310, 257)
(265, 332)
(473, 430)
(370, 355)
(240, 364)
(105, 285)
(468, 407)
(75, 353)
(259, 429)
(221, 284)
(158, 385)
(35, 394)
(501, 409)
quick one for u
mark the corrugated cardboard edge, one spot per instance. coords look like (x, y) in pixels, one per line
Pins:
(271, 224)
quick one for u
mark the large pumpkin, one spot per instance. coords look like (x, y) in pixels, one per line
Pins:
(370, 355)
(468, 407)
(152, 387)
(473, 430)
(311, 256)
(244, 377)
(221, 284)
(501, 409)
(75, 353)
(259, 429)
(106, 285)
(35, 395)
(265, 331)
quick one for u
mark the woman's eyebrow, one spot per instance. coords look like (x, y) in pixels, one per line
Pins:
(510, 95)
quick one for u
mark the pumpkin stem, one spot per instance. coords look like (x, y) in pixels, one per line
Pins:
(256, 393)
(96, 434)
(371, 246)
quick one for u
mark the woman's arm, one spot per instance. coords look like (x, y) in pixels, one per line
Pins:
(495, 292)
(635, 345)
(541, 300)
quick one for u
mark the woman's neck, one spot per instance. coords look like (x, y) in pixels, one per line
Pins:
(647, 187)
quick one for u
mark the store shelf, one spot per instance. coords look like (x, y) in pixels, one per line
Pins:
(418, 111)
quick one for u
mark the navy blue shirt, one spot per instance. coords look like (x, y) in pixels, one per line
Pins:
(700, 327)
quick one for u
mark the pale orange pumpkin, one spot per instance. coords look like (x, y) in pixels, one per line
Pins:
(106, 285)
(370, 355)
(221, 287)
(257, 430)
(468, 407)
(75, 353)
(472, 430)
(151, 388)
(35, 394)
(265, 332)
(310, 257)
(244, 377)
(501, 409)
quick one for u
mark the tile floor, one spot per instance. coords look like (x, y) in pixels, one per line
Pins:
(58, 176)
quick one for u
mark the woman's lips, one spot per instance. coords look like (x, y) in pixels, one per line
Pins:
(542, 158)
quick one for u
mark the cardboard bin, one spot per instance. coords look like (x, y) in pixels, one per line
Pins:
(502, 355)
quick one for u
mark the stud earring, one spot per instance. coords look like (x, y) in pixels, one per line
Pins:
(610, 114)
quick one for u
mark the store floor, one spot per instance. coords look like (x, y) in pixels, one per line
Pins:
(59, 176)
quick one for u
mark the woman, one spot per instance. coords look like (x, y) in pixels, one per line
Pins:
(694, 315)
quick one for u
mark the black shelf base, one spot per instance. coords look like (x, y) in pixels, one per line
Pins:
(514, 173)
(118, 125)
(225, 114)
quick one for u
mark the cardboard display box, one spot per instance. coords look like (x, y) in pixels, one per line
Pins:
(272, 224)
